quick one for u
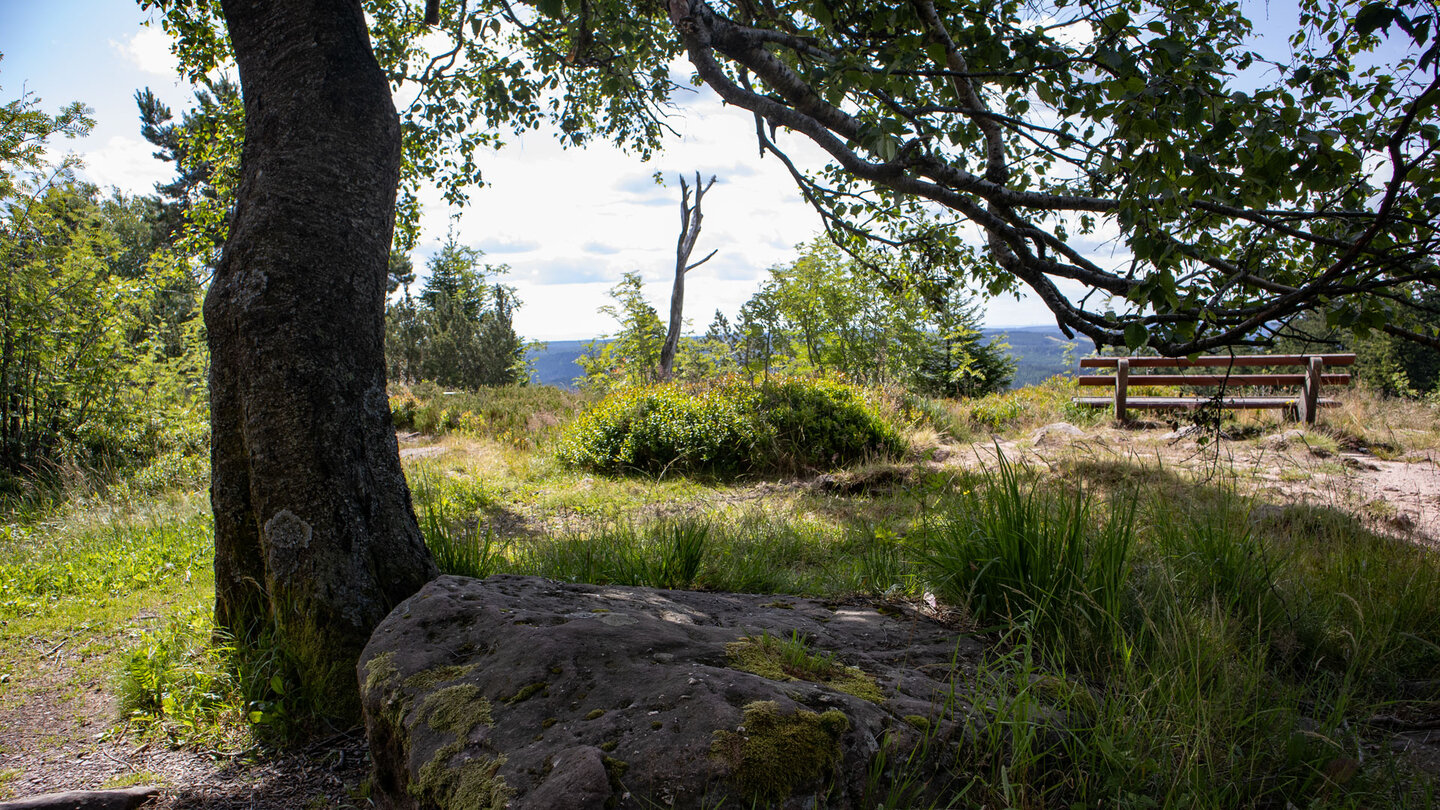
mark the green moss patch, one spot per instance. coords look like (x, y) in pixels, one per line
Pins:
(918, 721)
(427, 679)
(457, 709)
(473, 782)
(790, 659)
(380, 671)
(526, 692)
(776, 753)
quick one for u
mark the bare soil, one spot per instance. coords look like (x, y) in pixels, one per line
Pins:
(59, 720)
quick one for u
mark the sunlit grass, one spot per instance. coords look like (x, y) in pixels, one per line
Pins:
(1158, 635)
(1206, 649)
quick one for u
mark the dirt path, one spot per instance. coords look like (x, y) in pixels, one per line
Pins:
(60, 733)
(1400, 498)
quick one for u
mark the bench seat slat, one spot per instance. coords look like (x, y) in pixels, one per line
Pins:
(1213, 379)
(1192, 403)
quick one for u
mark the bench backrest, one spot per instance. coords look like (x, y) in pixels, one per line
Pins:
(1227, 379)
(1236, 360)
(1311, 379)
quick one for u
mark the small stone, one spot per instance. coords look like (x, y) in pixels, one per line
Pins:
(1283, 439)
(1056, 432)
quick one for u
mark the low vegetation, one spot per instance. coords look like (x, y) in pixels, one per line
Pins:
(1204, 644)
(730, 427)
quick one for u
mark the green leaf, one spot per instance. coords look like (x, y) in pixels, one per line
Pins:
(1136, 336)
(1372, 16)
(277, 685)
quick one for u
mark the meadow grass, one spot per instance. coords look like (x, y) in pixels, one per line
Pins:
(127, 591)
(1156, 638)
(516, 415)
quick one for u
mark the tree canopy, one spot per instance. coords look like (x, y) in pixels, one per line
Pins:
(1145, 169)
(459, 331)
(1236, 189)
(94, 320)
(823, 312)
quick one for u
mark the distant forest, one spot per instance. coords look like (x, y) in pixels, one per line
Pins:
(1038, 351)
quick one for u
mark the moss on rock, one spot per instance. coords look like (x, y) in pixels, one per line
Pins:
(380, 671)
(788, 659)
(474, 783)
(458, 709)
(427, 679)
(773, 753)
(526, 692)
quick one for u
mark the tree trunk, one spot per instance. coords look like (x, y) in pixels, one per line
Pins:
(689, 231)
(315, 537)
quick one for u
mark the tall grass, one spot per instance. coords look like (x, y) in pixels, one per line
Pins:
(1187, 654)
(749, 551)
(1016, 552)
(664, 554)
(519, 415)
(456, 539)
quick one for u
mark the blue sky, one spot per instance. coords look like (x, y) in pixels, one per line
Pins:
(568, 223)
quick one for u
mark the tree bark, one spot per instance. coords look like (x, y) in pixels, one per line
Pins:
(315, 537)
(689, 232)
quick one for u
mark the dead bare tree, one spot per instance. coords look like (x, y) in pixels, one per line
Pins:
(689, 232)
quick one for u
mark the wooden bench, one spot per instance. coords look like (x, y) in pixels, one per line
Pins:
(1304, 406)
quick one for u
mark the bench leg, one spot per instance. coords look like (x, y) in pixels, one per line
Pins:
(1122, 383)
(1310, 397)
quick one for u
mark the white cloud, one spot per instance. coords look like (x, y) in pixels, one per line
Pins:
(149, 50)
(576, 220)
(127, 164)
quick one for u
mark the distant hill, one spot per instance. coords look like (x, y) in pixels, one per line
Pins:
(553, 362)
(1039, 352)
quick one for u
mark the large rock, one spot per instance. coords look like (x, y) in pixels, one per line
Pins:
(539, 694)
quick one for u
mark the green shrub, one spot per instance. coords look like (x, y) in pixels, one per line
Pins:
(821, 423)
(179, 681)
(727, 428)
